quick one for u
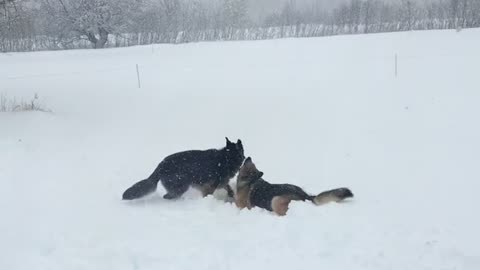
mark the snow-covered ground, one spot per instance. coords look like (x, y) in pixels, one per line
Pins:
(320, 113)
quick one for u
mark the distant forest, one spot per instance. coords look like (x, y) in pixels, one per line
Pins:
(29, 25)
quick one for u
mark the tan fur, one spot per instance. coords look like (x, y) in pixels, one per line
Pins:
(242, 197)
(280, 205)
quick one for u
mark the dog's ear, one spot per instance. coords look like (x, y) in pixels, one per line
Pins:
(239, 145)
(228, 141)
(259, 174)
(248, 160)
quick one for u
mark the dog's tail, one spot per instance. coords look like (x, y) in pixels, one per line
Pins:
(334, 195)
(281, 203)
(143, 188)
(140, 189)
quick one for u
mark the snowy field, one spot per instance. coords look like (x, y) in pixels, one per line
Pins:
(320, 113)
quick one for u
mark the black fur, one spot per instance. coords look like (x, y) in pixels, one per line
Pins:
(262, 193)
(207, 170)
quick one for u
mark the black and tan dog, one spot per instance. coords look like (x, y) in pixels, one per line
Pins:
(206, 170)
(253, 190)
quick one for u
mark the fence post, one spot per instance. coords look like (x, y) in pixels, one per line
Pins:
(138, 77)
(396, 65)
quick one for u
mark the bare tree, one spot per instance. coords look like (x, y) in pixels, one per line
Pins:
(407, 13)
(66, 24)
(15, 25)
(235, 13)
(368, 13)
(94, 20)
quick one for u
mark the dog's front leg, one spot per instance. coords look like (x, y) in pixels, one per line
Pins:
(207, 189)
(230, 193)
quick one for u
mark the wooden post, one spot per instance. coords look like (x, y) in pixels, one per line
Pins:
(138, 77)
(396, 65)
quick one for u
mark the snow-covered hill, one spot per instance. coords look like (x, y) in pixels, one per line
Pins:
(320, 113)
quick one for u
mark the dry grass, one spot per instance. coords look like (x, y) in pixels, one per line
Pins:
(20, 105)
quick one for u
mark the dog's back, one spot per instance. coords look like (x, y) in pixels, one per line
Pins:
(262, 193)
(193, 167)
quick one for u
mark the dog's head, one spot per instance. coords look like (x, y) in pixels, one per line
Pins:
(248, 173)
(235, 153)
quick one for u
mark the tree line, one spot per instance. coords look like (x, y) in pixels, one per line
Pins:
(29, 25)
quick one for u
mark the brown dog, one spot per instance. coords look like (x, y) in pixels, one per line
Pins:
(253, 190)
